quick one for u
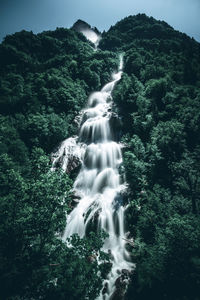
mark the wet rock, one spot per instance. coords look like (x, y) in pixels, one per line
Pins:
(68, 156)
(117, 296)
(119, 282)
(118, 201)
(75, 197)
(78, 119)
(73, 162)
(110, 254)
(121, 285)
(125, 272)
(115, 123)
(105, 289)
(120, 289)
(92, 258)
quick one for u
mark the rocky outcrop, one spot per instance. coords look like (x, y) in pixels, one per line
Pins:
(68, 156)
(121, 284)
(115, 122)
(82, 25)
(92, 34)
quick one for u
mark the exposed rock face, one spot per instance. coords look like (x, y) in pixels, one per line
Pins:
(68, 156)
(121, 285)
(115, 123)
(73, 162)
(105, 289)
(82, 25)
(91, 33)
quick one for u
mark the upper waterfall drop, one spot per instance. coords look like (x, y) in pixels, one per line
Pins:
(92, 34)
(99, 183)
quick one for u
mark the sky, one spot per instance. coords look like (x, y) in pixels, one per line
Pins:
(40, 15)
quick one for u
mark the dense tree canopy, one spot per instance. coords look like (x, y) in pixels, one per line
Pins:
(45, 80)
(158, 100)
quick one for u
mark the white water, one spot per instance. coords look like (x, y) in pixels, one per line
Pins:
(91, 35)
(98, 183)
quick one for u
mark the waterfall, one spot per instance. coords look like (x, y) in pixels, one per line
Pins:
(92, 36)
(98, 184)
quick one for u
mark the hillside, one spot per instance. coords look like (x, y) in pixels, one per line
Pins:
(45, 80)
(158, 100)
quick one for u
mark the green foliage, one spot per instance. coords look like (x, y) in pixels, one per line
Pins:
(80, 275)
(32, 218)
(158, 101)
(45, 130)
(32, 211)
(45, 80)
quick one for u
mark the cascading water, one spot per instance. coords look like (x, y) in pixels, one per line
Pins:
(98, 183)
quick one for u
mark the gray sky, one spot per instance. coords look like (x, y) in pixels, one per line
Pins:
(39, 15)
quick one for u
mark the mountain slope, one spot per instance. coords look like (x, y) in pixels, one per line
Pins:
(158, 100)
(44, 83)
(45, 80)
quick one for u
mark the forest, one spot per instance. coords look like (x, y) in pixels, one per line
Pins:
(45, 80)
